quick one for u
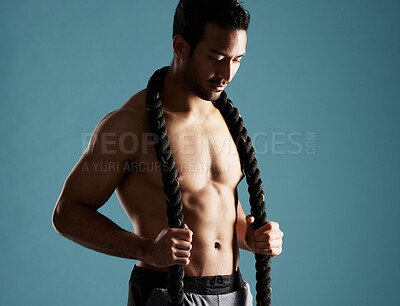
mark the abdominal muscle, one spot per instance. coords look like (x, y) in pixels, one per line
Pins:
(210, 213)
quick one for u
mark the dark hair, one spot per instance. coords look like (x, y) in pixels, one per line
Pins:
(191, 17)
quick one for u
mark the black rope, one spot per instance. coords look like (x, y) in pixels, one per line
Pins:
(249, 163)
(171, 184)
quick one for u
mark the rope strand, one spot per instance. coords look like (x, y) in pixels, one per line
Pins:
(171, 185)
(169, 175)
(249, 163)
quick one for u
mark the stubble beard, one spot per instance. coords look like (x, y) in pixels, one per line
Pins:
(194, 86)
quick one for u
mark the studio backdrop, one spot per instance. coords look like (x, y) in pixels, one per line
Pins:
(318, 91)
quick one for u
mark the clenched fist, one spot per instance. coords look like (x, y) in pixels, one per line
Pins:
(171, 247)
(266, 240)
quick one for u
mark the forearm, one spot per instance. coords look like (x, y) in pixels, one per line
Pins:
(89, 228)
(243, 245)
(241, 236)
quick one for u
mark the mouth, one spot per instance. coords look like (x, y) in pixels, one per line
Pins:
(217, 87)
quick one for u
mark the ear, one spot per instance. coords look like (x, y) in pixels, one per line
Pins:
(181, 47)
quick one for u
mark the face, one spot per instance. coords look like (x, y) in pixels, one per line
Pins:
(214, 61)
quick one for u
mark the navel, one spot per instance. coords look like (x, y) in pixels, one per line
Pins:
(217, 245)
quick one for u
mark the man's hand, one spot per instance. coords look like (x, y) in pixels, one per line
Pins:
(266, 240)
(171, 247)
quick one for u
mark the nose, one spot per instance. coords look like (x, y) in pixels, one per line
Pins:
(226, 71)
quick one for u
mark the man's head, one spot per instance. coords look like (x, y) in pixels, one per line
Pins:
(191, 17)
(209, 40)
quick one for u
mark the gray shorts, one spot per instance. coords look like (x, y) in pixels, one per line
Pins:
(148, 287)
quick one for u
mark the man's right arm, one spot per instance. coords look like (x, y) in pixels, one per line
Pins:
(91, 183)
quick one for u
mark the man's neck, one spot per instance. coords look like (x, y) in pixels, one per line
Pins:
(178, 98)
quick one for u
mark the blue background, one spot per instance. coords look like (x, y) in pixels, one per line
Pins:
(331, 68)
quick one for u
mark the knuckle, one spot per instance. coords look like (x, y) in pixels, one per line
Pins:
(262, 251)
(277, 251)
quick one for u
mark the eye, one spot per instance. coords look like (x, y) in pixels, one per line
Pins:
(217, 60)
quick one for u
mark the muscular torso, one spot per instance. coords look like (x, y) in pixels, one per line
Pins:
(209, 172)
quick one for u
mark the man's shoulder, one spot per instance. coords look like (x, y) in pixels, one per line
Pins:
(136, 103)
(130, 117)
(121, 128)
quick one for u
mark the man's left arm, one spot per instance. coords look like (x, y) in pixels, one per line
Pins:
(266, 240)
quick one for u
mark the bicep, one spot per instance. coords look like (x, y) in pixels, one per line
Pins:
(92, 181)
(101, 168)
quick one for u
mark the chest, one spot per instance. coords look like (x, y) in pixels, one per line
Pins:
(204, 153)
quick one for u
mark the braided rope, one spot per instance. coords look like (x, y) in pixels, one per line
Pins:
(171, 184)
(169, 175)
(247, 157)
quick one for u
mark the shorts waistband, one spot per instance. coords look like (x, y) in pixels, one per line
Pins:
(218, 284)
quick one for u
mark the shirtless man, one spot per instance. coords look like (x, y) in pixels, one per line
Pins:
(206, 159)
